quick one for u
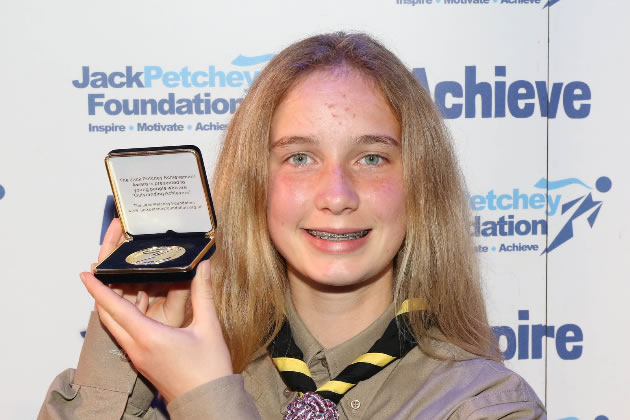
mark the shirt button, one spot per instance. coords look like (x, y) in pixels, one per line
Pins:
(287, 392)
(355, 404)
(325, 363)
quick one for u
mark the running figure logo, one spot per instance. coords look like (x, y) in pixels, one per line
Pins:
(587, 205)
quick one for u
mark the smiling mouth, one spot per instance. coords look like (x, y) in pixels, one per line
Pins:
(327, 236)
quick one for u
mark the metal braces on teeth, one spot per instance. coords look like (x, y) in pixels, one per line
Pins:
(338, 237)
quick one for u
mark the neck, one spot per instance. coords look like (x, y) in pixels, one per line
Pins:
(335, 314)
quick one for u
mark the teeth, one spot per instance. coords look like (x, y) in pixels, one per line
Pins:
(338, 237)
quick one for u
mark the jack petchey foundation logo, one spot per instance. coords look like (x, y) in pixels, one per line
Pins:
(113, 104)
(477, 3)
(517, 220)
(197, 92)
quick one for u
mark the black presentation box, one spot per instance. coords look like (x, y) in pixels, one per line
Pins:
(164, 203)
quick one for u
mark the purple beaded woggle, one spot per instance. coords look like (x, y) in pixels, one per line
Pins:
(312, 406)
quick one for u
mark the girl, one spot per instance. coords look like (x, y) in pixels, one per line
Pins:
(344, 264)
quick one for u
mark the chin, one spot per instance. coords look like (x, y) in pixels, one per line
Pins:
(341, 276)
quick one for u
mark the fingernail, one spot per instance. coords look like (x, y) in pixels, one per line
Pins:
(138, 298)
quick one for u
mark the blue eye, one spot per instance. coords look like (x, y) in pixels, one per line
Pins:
(300, 159)
(372, 160)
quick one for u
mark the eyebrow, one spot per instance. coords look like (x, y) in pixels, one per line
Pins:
(291, 140)
(365, 139)
(373, 139)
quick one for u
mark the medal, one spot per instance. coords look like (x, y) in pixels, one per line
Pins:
(312, 406)
(155, 255)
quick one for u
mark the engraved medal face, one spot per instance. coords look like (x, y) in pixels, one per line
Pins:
(155, 255)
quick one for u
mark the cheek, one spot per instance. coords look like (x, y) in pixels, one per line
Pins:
(387, 199)
(286, 201)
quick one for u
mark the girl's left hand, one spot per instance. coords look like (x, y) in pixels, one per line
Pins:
(174, 360)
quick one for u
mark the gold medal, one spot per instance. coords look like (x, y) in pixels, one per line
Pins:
(155, 255)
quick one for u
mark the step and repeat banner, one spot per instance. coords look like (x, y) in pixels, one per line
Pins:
(534, 91)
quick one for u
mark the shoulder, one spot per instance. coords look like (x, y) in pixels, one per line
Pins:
(466, 388)
(491, 390)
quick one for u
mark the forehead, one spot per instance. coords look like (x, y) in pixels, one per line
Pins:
(344, 82)
(334, 102)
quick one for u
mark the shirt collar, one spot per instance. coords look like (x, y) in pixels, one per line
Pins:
(338, 357)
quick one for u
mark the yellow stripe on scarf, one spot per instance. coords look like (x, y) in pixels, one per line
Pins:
(290, 364)
(378, 359)
(338, 387)
(413, 304)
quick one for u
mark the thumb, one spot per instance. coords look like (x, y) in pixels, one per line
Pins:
(202, 297)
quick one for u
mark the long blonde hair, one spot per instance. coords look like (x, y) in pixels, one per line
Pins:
(436, 261)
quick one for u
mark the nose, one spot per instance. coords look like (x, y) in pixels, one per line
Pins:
(336, 192)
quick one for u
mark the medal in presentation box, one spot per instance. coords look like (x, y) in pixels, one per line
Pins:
(164, 203)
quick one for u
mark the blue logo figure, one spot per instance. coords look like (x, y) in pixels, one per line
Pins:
(550, 3)
(1, 192)
(243, 60)
(603, 185)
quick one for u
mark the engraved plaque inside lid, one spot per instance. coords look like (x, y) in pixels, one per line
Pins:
(161, 191)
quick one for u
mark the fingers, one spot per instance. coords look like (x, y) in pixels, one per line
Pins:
(204, 311)
(174, 306)
(113, 238)
(120, 335)
(142, 301)
(124, 313)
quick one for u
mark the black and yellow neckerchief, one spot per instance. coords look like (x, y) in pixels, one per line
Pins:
(394, 344)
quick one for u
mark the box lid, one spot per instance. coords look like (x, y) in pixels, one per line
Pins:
(158, 189)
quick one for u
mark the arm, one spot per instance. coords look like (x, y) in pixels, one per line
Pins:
(192, 363)
(104, 386)
(499, 393)
(223, 398)
(520, 403)
(175, 360)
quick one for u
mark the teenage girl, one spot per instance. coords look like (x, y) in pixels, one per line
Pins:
(344, 266)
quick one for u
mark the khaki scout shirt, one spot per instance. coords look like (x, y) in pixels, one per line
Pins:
(105, 386)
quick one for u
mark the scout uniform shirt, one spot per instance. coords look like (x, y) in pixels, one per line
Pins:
(105, 386)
